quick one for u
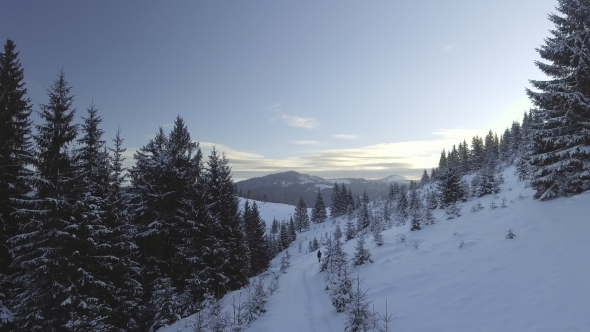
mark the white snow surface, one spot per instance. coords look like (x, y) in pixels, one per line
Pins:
(537, 281)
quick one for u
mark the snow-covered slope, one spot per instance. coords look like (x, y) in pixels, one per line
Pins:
(537, 281)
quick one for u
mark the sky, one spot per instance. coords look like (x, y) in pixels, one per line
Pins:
(330, 88)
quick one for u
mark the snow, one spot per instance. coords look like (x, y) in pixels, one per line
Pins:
(323, 186)
(395, 178)
(5, 315)
(537, 281)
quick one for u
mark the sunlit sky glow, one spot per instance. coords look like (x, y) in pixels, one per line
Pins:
(330, 88)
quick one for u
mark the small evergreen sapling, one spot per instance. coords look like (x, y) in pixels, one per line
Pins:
(510, 235)
(362, 254)
(359, 318)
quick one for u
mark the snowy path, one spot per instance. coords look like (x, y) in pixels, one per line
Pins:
(300, 303)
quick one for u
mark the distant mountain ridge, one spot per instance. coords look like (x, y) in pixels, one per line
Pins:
(287, 187)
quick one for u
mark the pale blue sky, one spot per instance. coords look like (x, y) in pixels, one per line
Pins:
(333, 88)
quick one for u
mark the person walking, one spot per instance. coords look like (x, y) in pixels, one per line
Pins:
(319, 255)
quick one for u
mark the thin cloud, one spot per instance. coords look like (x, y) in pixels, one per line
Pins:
(344, 136)
(292, 120)
(300, 122)
(448, 47)
(315, 143)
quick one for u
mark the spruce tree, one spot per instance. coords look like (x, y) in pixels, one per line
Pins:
(300, 216)
(255, 231)
(318, 212)
(335, 205)
(16, 153)
(222, 205)
(170, 221)
(45, 257)
(562, 139)
(362, 254)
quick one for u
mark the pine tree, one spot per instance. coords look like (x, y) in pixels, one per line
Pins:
(359, 317)
(362, 254)
(365, 219)
(167, 206)
(402, 212)
(318, 212)
(222, 205)
(255, 229)
(16, 153)
(300, 217)
(425, 178)
(126, 273)
(350, 231)
(562, 140)
(449, 186)
(45, 247)
(335, 205)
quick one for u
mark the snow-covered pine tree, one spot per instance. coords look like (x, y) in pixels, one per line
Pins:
(16, 153)
(255, 229)
(339, 278)
(377, 231)
(359, 317)
(362, 254)
(222, 206)
(334, 205)
(318, 212)
(402, 212)
(126, 274)
(45, 244)
(425, 178)
(167, 205)
(449, 186)
(477, 154)
(292, 230)
(100, 293)
(300, 216)
(561, 155)
(365, 219)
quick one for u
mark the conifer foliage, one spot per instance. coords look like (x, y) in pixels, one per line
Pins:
(561, 141)
(318, 212)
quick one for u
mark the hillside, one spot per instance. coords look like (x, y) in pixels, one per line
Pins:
(287, 187)
(536, 281)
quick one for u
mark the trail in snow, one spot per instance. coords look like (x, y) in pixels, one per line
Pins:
(300, 304)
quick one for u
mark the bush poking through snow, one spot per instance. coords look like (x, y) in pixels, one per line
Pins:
(510, 234)
(403, 238)
(257, 298)
(504, 202)
(416, 246)
(461, 244)
(274, 284)
(493, 205)
(285, 262)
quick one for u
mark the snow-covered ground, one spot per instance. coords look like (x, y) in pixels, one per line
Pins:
(538, 281)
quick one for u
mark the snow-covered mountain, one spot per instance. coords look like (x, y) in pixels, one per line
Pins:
(459, 275)
(287, 187)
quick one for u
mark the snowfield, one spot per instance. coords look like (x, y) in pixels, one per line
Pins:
(537, 281)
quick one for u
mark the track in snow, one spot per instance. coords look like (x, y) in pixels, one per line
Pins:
(300, 304)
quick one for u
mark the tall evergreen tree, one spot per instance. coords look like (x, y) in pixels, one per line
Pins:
(16, 153)
(170, 222)
(562, 139)
(336, 198)
(255, 232)
(222, 206)
(45, 249)
(318, 212)
(301, 217)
